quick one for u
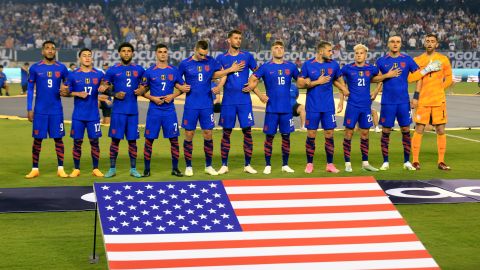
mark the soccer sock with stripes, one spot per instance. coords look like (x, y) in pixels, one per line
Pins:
(416, 145)
(77, 152)
(310, 149)
(441, 147)
(147, 153)
(174, 151)
(60, 150)
(347, 149)
(247, 144)
(114, 152)
(329, 149)
(285, 149)
(267, 149)
(385, 141)
(187, 152)
(225, 145)
(208, 149)
(95, 152)
(407, 145)
(364, 145)
(132, 153)
(36, 148)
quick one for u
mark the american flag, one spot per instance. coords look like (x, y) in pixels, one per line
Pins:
(274, 224)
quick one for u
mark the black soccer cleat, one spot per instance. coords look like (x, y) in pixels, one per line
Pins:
(146, 173)
(177, 172)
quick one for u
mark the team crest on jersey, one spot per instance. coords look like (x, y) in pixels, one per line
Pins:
(128, 73)
(135, 73)
(403, 64)
(395, 65)
(367, 73)
(57, 74)
(95, 80)
(280, 72)
(322, 72)
(287, 71)
(49, 74)
(330, 71)
(207, 68)
(87, 80)
(163, 77)
(170, 77)
(360, 73)
(199, 68)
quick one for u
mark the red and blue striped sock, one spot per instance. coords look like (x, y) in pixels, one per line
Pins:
(174, 151)
(407, 145)
(329, 149)
(114, 152)
(347, 149)
(385, 141)
(267, 149)
(225, 145)
(36, 148)
(187, 152)
(95, 152)
(147, 153)
(60, 150)
(208, 149)
(364, 145)
(247, 145)
(77, 152)
(310, 149)
(285, 148)
(132, 153)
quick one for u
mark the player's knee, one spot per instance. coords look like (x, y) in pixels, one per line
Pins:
(207, 134)
(328, 133)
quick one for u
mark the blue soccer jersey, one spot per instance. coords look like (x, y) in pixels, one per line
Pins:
(85, 109)
(24, 76)
(161, 82)
(46, 79)
(199, 74)
(125, 78)
(3, 79)
(358, 80)
(395, 90)
(320, 97)
(277, 79)
(232, 90)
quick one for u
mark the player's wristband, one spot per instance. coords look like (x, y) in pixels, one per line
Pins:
(416, 95)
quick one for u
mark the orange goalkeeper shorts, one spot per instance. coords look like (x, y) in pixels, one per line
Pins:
(434, 115)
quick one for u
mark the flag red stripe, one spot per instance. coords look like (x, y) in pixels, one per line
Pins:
(297, 181)
(396, 255)
(314, 210)
(323, 225)
(262, 243)
(306, 195)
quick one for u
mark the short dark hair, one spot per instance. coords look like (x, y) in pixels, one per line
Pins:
(125, 44)
(235, 31)
(1, 66)
(48, 42)
(201, 44)
(278, 42)
(105, 64)
(26, 64)
(160, 46)
(432, 35)
(72, 64)
(323, 44)
(84, 50)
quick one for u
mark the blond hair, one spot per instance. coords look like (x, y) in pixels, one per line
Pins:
(360, 46)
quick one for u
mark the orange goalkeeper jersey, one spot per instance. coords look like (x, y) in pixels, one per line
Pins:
(433, 85)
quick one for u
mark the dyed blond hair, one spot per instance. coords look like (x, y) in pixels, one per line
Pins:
(360, 46)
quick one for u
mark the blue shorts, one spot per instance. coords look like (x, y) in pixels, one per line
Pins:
(389, 112)
(313, 119)
(283, 121)
(94, 130)
(124, 125)
(204, 116)
(166, 120)
(229, 113)
(355, 114)
(51, 124)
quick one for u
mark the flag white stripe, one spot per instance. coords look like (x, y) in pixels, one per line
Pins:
(318, 217)
(309, 202)
(345, 265)
(301, 188)
(264, 251)
(281, 234)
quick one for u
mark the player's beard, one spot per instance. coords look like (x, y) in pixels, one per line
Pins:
(49, 58)
(235, 47)
(126, 61)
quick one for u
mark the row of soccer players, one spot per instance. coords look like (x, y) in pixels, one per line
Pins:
(193, 77)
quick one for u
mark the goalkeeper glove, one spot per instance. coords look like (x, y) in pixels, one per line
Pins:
(431, 67)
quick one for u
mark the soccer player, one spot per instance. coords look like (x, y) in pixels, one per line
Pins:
(3, 82)
(84, 84)
(395, 98)
(24, 77)
(46, 77)
(319, 74)
(358, 76)
(198, 71)
(106, 106)
(297, 108)
(125, 78)
(236, 102)
(277, 75)
(430, 102)
(161, 79)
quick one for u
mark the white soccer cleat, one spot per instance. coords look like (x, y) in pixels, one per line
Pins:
(249, 169)
(188, 171)
(287, 169)
(267, 170)
(223, 170)
(369, 168)
(385, 166)
(348, 167)
(408, 166)
(378, 129)
(210, 170)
